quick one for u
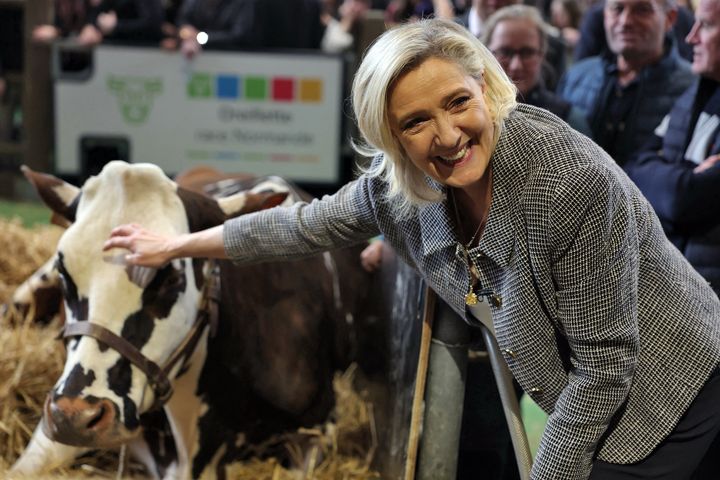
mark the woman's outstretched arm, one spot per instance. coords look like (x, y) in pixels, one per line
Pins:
(151, 249)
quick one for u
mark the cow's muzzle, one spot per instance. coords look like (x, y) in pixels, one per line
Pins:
(83, 422)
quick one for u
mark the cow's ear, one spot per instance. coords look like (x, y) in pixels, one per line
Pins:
(247, 202)
(61, 197)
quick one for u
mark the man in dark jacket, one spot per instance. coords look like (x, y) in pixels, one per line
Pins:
(678, 171)
(592, 35)
(627, 93)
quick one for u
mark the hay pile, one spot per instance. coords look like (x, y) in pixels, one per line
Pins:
(31, 360)
(23, 251)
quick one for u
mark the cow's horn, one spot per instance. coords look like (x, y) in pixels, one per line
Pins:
(247, 202)
(60, 196)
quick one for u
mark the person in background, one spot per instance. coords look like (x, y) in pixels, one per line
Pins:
(231, 24)
(126, 21)
(69, 19)
(600, 319)
(399, 11)
(565, 15)
(678, 169)
(627, 93)
(171, 10)
(475, 19)
(593, 42)
(517, 36)
(339, 22)
(225, 24)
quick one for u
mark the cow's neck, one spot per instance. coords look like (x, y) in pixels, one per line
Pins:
(185, 408)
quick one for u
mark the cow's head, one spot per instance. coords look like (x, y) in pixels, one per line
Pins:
(101, 393)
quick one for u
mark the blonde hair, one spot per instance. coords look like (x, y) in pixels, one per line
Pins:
(396, 52)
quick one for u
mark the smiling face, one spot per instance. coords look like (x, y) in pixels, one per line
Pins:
(705, 39)
(439, 115)
(517, 46)
(635, 29)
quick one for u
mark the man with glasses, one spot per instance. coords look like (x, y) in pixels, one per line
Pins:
(517, 36)
(626, 93)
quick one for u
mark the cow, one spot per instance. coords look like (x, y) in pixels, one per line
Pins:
(220, 356)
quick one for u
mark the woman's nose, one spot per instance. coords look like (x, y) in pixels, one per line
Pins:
(447, 134)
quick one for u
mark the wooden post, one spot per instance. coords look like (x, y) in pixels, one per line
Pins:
(37, 92)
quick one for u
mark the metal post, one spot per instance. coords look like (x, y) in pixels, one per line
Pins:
(444, 395)
(504, 380)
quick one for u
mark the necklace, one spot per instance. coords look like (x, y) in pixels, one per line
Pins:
(471, 297)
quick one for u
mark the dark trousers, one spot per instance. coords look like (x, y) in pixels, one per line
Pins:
(691, 451)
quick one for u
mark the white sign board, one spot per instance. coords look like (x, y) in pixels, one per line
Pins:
(260, 113)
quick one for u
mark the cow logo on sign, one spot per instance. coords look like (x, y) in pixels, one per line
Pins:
(135, 96)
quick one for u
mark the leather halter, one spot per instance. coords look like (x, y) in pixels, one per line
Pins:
(158, 376)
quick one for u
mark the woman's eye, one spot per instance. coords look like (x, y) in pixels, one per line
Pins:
(410, 124)
(460, 101)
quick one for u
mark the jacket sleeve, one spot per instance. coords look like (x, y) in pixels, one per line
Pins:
(684, 200)
(593, 254)
(303, 229)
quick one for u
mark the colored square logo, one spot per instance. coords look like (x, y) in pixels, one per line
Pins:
(311, 90)
(200, 86)
(227, 86)
(283, 89)
(256, 88)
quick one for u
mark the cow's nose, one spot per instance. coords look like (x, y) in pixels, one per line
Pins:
(76, 421)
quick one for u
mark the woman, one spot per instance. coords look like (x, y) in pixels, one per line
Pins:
(601, 321)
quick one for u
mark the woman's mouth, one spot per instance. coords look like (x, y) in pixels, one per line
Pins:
(456, 158)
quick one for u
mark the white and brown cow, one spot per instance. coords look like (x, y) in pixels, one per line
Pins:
(142, 341)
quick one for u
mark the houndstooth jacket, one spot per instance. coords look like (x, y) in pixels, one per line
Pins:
(602, 321)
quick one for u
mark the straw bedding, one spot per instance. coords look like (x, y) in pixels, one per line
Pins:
(31, 359)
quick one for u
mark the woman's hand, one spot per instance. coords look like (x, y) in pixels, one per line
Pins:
(147, 249)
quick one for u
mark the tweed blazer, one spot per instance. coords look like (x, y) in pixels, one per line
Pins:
(602, 321)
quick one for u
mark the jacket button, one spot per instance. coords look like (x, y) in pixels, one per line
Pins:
(535, 391)
(509, 352)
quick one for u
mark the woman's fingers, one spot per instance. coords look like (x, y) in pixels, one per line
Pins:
(120, 236)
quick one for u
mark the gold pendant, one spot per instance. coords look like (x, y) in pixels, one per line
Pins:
(471, 298)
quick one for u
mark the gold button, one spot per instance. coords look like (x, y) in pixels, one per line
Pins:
(509, 352)
(536, 391)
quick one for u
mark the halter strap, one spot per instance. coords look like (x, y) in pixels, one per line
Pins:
(157, 376)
